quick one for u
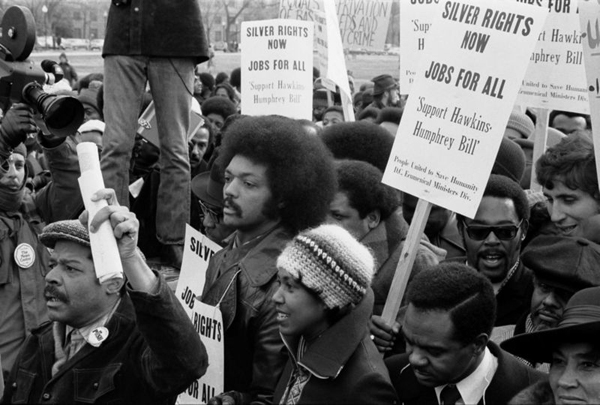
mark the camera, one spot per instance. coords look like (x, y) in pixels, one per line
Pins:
(22, 81)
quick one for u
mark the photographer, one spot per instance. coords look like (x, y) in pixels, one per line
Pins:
(23, 260)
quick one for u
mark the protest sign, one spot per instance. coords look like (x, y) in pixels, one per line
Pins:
(455, 117)
(207, 320)
(589, 17)
(555, 78)
(461, 99)
(336, 63)
(330, 51)
(277, 67)
(363, 24)
(416, 18)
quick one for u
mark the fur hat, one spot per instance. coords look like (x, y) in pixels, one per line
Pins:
(510, 160)
(382, 83)
(330, 262)
(580, 323)
(70, 230)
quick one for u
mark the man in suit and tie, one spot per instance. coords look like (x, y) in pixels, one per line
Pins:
(449, 358)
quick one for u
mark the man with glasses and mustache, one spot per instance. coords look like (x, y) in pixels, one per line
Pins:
(492, 241)
(208, 189)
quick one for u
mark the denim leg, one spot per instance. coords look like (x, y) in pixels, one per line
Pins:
(124, 85)
(171, 83)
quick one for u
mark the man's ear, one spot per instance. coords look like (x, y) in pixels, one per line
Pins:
(524, 229)
(114, 285)
(373, 219)
(480, 343)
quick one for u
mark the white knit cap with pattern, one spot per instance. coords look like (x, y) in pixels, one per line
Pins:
(330, 262)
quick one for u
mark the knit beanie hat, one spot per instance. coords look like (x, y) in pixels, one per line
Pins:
(510, 161)
(330, 262)
(521, 123)
(69, 230)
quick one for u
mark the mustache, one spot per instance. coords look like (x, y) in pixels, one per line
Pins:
(52, 291)
(228, 201)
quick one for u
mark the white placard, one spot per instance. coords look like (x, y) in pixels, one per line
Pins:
(589, 16)
(416, 18)
(362, 24)
(555, 78)
(207, 320)
(277, 64)
(461, 100)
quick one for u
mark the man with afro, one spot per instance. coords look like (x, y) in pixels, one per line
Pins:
(278, 182)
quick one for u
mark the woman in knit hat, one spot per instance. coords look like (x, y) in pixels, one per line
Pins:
(324, 302)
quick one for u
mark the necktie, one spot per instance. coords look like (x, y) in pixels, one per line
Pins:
(449, 395)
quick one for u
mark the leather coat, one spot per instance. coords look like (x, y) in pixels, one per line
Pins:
(243, 282)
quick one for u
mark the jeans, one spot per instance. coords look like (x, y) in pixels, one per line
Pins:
(171, 83)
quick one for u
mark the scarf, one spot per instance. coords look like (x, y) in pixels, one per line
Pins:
(10, 200)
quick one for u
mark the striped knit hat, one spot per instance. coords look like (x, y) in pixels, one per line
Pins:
(330, 262)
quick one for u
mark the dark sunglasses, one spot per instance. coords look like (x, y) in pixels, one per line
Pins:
(502, 232)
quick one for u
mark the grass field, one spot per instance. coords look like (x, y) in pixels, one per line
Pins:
(364, 67)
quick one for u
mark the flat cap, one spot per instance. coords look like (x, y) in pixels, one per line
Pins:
(564, 262)
(71, 231)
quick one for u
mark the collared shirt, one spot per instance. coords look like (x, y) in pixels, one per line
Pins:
(86, 331)
(472, 388)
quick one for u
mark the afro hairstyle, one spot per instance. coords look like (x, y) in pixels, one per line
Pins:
(359, 140)
(300, 170)
(361, 182)
(389, 114)
(218, 105)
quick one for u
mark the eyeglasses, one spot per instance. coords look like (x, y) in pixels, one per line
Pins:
(502, 232)
(211, 212)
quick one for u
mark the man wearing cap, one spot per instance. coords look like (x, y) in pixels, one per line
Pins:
(572, 349)
(278, 181)
(385, 92)
(208, 188)
(561, 266)
(449, 358)
(23, 260)
(115, 340)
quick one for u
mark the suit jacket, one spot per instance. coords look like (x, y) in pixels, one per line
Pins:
(510, 378)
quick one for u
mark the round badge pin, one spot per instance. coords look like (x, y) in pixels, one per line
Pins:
(24, 255)
(97, 336)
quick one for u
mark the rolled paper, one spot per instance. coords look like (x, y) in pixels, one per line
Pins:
(105, 252)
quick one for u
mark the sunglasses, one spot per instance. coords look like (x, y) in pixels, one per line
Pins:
(215, 215)
(502, 232)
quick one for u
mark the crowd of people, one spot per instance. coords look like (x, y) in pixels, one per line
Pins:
(501, 308)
